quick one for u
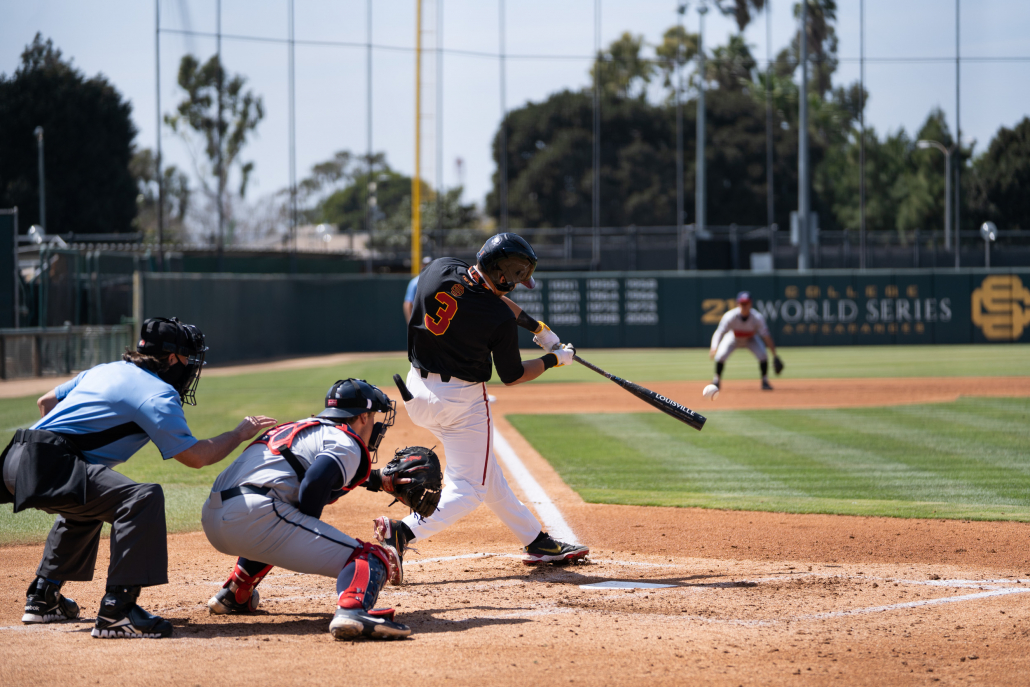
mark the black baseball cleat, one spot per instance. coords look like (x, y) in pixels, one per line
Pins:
(120, 617)
(225, 603)
(391, 534)
(44, 603)
(547, 550)
(351, 623)
(766, 386)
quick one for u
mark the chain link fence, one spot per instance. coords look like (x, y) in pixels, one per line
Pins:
(39, 352)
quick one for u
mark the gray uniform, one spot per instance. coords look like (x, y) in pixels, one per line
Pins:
(270, 528)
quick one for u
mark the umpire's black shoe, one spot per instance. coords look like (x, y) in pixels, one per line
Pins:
(44, 603)
(351, 623)
(121, 617)
(393, 534)
(547, 550)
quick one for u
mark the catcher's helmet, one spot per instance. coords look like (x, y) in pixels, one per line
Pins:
(508, 260)
(350, 397)
(161, 336)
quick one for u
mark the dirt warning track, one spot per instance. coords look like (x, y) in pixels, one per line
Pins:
(672, 597)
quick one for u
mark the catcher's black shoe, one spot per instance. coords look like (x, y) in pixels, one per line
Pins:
(547, 550)
(351, 623)
(225, 603)
(766, 386)
(44, 603)
(392, 534)
(121, 617)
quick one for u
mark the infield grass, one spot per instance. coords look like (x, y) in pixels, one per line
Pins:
(291, 394)
(969, 459)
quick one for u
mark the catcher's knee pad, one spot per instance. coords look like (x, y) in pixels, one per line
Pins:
(364, 576)
(242, 584)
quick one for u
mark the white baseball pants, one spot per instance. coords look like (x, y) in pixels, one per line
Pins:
(730, 343)
(458, 414)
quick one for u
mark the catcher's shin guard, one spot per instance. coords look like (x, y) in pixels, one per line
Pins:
(239, 594)
(364, 576)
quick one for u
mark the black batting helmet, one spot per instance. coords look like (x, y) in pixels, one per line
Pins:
(508, 260)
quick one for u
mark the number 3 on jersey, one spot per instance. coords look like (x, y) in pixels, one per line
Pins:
(439, 324)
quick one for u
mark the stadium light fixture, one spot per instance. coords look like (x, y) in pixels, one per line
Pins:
(924, 145)
(989, 232)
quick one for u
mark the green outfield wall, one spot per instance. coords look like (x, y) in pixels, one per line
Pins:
(249, 317)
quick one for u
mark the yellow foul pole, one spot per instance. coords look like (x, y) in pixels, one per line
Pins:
(416, 180)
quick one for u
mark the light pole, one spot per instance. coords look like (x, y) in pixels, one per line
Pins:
(681, 9)
(924, 144)
(700, 218)
(803, 182)
(989, 232)
(38, 132)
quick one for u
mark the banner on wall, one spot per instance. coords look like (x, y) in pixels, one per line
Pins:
(814, 308)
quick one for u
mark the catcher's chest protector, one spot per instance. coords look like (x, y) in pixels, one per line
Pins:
(279, 441)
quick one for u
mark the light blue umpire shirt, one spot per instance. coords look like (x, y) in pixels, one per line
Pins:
(409, 294)
(114, 394)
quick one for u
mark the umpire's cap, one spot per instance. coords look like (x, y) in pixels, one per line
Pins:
(161, 335)
(352, 397)
(508, 256)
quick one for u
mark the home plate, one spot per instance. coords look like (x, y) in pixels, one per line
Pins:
(618, 584)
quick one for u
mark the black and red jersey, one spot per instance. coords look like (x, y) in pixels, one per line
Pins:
(457, 324)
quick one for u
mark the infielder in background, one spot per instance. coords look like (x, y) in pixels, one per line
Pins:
(461, 323)
(64, 464)
(265, 508)
(743, 327)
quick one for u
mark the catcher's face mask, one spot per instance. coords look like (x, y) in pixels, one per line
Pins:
(379, 430)
(382, 404)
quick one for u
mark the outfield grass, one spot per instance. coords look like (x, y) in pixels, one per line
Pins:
(969, 459)
(290, 394)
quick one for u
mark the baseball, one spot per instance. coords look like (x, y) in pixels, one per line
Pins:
(711, 391)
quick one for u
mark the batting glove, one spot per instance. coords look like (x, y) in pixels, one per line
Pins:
(564, 353)
(545, 338)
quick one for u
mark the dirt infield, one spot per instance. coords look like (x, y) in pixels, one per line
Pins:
(746, 598)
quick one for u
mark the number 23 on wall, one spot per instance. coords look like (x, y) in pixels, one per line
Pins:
(439, 324)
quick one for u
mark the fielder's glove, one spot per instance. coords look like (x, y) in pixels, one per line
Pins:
(545, 338)
(414, 478)
(777, 364)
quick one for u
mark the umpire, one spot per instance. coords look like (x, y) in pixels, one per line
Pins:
(63, 465)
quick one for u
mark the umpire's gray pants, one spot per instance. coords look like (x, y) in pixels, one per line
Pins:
(139, 542)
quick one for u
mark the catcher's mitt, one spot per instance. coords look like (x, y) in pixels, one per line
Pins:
(777, 364)
(414, 478)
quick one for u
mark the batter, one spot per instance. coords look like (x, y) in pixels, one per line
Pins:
(461, 327)
(745, 327)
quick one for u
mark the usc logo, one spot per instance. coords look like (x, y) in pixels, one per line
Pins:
(1001, 307)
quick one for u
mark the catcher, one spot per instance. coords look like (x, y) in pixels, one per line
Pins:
(742, 326)
(265, 508)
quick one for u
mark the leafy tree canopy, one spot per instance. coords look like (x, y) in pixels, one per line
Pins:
(88, 145)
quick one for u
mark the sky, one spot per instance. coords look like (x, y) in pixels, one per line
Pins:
(117, 38)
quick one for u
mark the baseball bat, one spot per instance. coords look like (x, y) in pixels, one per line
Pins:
(666, 405)
(403, 388)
